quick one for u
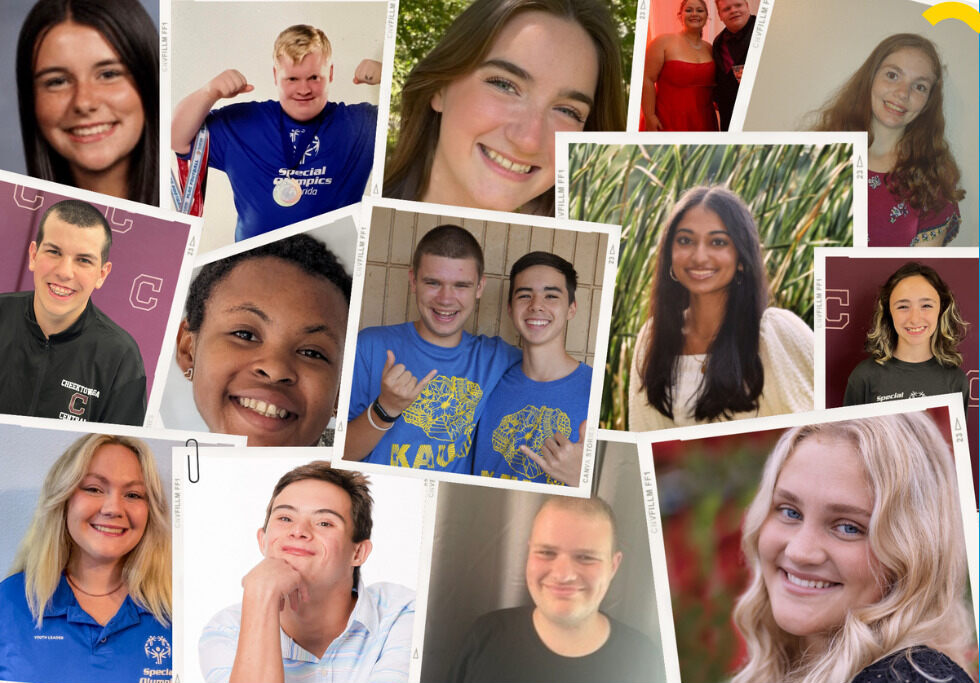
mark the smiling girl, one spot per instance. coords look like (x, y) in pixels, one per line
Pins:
(479, 113)
(897, 97)
(913, 341)
(87, 83)
(262, 341)
(90, 586)
(711, 349)
(856, 551)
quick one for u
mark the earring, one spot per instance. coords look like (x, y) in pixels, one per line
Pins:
(189, 373)
(672, 276)
(738, 274)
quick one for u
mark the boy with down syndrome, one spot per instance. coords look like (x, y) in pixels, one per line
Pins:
(530, 416)
(397, 419)
(305, 613)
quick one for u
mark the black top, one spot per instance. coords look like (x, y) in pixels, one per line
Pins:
(872, 382)
(726, 85)
(93, 371)
(503, 647)
(913, 665)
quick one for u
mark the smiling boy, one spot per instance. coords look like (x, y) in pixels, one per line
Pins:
(305, 613)
(292, 158)
(420, 387)
(62, 356)
(539, 404)
(564, 637)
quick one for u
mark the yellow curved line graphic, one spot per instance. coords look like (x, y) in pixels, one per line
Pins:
(953, 10)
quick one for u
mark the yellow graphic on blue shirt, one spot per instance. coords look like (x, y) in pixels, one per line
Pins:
(530, 427)
(446, 412)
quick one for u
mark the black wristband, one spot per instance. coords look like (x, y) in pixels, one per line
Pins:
(382, 414)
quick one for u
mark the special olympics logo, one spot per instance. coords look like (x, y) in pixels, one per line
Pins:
(157, 648)
(312, 150)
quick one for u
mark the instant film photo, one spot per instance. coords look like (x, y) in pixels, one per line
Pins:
(692, 64)
(480, 88)
(221, 497)
(110, 143)
(287, 140)
(85, 316)
(107, 494)
(476, 373)
(717, 246)
(260, 343)
(483, 588)
(895, 324)
(787, 527)
(805, 82)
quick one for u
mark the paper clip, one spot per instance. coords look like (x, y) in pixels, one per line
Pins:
(190, 476)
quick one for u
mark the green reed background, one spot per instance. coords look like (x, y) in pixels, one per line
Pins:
(800, 196)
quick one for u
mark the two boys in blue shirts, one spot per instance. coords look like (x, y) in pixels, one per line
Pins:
(421, 388)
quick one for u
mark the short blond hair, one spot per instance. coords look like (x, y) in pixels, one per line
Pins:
(300, 40)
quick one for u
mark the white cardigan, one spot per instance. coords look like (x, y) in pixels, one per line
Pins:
(786, 350)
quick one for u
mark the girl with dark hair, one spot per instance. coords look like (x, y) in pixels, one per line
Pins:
(711, 350)
(88, 89)
(913, 341)
(897, 97)
(479, 112)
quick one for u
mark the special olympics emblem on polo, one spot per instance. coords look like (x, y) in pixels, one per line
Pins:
(446, 408)
(158, 648)
(528, 427)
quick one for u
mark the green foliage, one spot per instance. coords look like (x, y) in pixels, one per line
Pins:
(800, 195)
(422, 24)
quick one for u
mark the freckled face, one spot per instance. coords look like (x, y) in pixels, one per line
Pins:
(816, 560)
(901, 88)
(85, 100)
(496, 147)
(268, 354)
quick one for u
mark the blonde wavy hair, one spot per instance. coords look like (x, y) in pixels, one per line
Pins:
(916, 534)
(46, 548)
(300, 40)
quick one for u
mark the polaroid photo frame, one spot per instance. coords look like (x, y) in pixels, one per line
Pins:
(337, 230)
(637, 178)
(700, 498)
(657, 18)
(250, 28)
(847, 286)
(382, 297)
(800, 71)
(151, 256)
(215, 526)
(472, 574)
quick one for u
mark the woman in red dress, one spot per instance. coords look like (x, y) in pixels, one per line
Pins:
(679, 76)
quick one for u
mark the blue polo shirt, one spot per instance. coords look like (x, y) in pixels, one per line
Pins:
(71, 647)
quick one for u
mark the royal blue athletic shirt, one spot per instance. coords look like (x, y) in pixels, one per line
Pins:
(71, 647)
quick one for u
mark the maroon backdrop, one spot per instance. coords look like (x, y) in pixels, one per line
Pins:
(146, 256)
(852, 285)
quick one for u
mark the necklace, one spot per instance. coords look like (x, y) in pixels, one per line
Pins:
(696, 45)
(91, 595)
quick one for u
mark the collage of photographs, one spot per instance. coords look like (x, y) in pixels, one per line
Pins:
(490, 341)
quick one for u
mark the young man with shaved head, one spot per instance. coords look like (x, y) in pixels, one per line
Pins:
(60, 356)
(563, 637)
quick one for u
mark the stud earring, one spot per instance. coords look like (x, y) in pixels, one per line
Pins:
(189, 373)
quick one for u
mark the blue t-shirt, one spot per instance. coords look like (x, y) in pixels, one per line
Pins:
(247, 143)
(72, 647)
(436, 431)
(522, 412)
